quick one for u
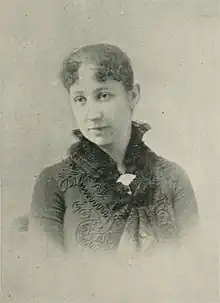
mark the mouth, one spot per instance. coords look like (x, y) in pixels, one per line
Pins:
(98, 128)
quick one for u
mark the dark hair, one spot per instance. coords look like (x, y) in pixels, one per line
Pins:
(111, 61)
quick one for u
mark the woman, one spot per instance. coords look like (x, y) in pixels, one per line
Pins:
(112, 187)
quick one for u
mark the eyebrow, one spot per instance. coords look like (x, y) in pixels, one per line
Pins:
(101, 89)
(97, 90)
(79, 92)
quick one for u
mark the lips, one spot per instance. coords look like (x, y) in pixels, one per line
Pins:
(98, 128)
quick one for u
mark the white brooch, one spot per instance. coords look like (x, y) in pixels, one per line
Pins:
(126, 180)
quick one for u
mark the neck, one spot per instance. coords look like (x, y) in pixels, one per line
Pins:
(117, 150)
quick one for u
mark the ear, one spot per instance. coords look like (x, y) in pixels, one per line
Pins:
(134, 96)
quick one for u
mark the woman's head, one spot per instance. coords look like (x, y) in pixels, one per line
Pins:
(100, 81)
(111, 61)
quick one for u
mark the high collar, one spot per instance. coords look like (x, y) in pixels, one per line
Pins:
(102, 163)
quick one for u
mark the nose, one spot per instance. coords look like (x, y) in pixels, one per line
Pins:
(94, 112)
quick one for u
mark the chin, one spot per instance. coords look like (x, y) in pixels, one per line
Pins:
(100, 141)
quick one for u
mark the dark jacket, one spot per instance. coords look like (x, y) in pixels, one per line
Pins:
(78, 204)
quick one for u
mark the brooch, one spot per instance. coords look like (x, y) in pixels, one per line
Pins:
(126, 180)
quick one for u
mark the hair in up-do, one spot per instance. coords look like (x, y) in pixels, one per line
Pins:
(111, 62)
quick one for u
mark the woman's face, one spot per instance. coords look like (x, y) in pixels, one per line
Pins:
(102, 110)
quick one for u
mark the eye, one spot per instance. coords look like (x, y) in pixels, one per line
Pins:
(80, 99)
(104, 96)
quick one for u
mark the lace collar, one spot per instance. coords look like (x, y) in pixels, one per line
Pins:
(101, 163)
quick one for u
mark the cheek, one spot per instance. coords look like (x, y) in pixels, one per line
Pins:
(117, 109)
(79, 114)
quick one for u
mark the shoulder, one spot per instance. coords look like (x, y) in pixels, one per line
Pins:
(55, 170)
(170, 170)
(62, 174)
(174, 178)
(162, 167)
(49, 173)
(170, 175)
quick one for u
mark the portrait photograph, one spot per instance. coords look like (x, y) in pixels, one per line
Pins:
(109, 159)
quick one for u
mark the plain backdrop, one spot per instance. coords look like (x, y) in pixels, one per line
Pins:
(174, 46)
(175, 49)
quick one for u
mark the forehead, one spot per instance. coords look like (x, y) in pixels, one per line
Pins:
(87, 79)
(87, 72)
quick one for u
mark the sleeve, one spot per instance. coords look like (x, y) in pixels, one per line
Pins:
(47, 212)
(185, 202)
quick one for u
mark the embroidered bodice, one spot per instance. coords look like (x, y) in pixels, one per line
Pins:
(80, 203)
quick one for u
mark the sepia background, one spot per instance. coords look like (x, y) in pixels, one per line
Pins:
(174, 46)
